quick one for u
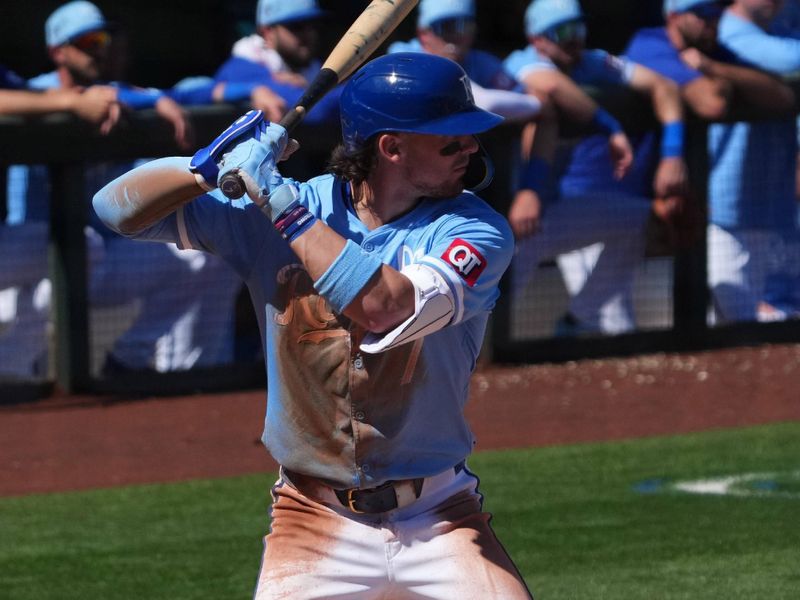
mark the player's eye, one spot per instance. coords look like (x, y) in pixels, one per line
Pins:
(571, 31)
(452, 27)
(92, 41)
(451, 148)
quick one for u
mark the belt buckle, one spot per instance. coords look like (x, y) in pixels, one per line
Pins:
(351, 501)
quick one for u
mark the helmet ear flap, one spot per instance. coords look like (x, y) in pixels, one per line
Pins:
(480, 170)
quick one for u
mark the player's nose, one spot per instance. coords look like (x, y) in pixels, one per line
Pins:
(469, 144)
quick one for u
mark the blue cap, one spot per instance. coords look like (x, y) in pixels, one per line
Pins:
(72, 20)
(544, 14)
(431, 11)
(277, 12)
(679, 6)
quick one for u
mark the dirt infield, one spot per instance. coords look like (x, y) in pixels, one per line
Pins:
(76, 443)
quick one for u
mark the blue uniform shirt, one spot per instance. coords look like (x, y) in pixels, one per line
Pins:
(10, 80)
(749, 184)
(240, 70)
(334, 413)
(588, 168)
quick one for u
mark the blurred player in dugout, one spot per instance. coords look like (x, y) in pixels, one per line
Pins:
(280, 59)
(23, 247)
(592, 214)
(751, 202)
(183, 305)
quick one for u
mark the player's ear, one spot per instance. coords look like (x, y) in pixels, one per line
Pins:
(390, 146)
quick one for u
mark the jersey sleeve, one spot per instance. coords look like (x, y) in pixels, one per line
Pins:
(779, 55)
(471, 251)
(522, 63)
(237, 230)
(600, 67)
(651, 48)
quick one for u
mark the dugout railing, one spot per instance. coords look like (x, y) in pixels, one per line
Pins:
(66, 145)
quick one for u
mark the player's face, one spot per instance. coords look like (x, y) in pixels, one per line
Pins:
(85, 57)
(699, 26)
(436, 164)
(449, 38)
(563, 44)
(296, 42)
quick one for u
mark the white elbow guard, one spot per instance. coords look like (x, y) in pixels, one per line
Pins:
(433, 309)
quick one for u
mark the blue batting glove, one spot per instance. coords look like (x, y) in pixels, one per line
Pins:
(206, 162)
(254, 161)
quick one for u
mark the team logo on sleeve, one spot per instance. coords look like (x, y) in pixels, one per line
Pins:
(465, 259)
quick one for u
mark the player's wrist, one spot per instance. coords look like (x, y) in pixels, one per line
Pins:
(605, 122)
(290, 218)
(672, 136)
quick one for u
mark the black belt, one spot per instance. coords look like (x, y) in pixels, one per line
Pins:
(372, 500)
(378, 499)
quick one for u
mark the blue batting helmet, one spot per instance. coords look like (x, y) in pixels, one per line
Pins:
(411, 92)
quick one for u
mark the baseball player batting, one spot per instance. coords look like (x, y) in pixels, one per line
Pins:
(372, 285)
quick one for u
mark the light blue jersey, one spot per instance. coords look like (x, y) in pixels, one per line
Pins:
(595, 67)
(350, 418)
(751, 183)
(759, 48)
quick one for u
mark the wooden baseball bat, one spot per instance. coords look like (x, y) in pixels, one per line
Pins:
(367, 32)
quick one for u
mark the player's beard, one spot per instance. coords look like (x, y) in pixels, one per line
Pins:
(441, 190)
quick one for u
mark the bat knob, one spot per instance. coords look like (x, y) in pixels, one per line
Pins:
(232, 185)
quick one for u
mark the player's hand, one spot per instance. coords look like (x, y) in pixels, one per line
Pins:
(694, 59)
(206, 162)
(682, 218)
(271, 104)
(171, 111)
(525, 214)
(621, 154)
(97, 105)
(672, 177)
(255, 160)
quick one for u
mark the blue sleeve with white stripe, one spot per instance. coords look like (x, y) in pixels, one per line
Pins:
(599, 67)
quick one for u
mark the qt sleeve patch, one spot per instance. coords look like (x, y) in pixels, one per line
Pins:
(465, 259)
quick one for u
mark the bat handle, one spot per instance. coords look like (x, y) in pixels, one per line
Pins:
(231, 183)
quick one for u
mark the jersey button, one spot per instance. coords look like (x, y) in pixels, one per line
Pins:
(358, 363)
(360, 416)
(365, 468)
(369, 247)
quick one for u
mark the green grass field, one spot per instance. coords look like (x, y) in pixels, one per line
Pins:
(571, 517)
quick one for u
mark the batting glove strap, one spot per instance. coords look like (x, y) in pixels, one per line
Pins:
(206, 162)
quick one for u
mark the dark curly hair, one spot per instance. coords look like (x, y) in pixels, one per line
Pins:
(355, 167)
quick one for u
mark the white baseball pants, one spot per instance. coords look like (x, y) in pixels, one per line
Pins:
(439, 547)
